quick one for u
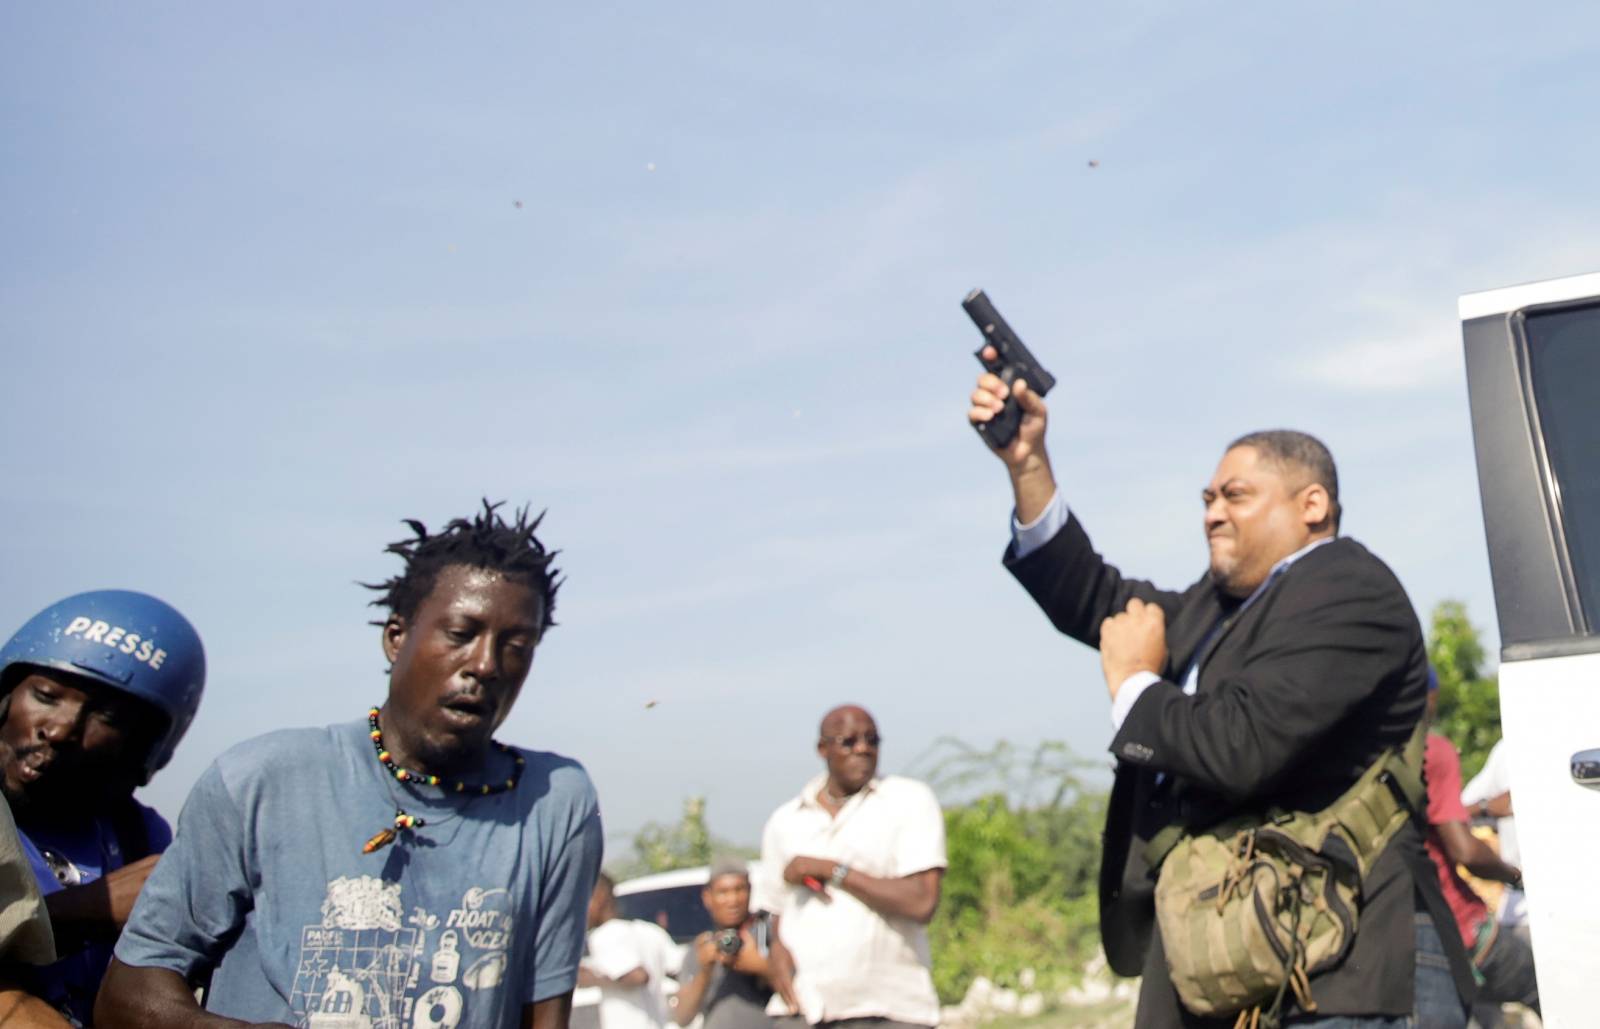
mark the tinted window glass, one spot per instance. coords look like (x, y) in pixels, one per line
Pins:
(677, 909)
(1564, 349)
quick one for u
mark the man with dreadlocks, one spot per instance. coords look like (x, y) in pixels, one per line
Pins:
(403, 869)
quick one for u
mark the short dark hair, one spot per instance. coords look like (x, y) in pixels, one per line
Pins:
(1290, 448)
(484, 541)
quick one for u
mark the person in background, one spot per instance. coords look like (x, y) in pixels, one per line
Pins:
(629, 960)
(852, 870)
(725, 974)
(1487, 798)
(1503, 960)
(97, 691)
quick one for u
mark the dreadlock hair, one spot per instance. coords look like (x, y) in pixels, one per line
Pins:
(485, 541)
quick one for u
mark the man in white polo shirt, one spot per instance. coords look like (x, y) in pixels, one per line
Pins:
(851, 870)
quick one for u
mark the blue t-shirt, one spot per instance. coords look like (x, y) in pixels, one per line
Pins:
(461, 922)
(74, 855)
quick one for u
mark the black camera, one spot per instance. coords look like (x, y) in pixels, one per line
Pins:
(729, 941)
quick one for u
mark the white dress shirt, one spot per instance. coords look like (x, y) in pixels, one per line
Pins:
(850, 961)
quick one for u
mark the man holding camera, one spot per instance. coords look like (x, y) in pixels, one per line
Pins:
(725, 975)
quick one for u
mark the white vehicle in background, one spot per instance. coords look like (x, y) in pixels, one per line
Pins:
(1533, 378)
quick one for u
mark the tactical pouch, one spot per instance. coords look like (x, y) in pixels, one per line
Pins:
(1251, 908)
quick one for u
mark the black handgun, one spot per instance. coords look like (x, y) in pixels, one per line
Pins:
(1012, 362)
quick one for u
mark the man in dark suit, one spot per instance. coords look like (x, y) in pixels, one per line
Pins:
(1276, 679)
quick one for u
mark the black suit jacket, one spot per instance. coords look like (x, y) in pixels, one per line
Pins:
(1298, 694)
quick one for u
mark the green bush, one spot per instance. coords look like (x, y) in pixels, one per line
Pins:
(1469, 702)
(1024, 857)
(1008, 903)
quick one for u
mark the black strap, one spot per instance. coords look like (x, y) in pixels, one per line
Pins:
(1426, 877)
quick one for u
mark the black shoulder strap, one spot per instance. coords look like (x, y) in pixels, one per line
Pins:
(1426, 877)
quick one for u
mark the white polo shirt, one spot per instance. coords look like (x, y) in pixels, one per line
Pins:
(850, 961)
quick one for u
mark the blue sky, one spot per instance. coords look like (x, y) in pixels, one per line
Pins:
(265, 290)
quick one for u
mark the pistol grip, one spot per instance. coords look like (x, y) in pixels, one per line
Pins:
(1000, 430)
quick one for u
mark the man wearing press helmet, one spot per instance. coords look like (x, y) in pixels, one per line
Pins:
(95, 693)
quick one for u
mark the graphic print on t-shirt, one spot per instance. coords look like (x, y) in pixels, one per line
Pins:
(367, 965)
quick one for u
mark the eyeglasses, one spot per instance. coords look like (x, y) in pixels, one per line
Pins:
(871, 739)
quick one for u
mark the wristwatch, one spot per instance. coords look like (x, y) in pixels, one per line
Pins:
(840, 870)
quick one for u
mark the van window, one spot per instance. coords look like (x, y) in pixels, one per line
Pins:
(1564, 360)
(677, 909)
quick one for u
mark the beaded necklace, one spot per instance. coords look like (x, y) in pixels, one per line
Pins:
(404, 820)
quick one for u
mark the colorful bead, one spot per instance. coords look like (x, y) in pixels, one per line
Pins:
(386, 759)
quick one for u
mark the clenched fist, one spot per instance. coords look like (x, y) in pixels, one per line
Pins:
(1133, 641)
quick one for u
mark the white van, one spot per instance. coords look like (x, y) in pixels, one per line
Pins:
(1533, 377)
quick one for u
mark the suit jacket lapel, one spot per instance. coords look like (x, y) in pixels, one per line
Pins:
(1191, 631)
(1238, 614)
(1215, 641)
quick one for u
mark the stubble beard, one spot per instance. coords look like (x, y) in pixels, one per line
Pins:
(1224, 577)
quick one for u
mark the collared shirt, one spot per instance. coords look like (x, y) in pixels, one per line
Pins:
(1035, 534)
(850, 961)
(1042, 529)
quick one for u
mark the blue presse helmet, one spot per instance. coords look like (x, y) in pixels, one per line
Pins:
(128, 641)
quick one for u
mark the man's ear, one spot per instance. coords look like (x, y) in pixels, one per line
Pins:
(1316, 507)
(394, 636)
